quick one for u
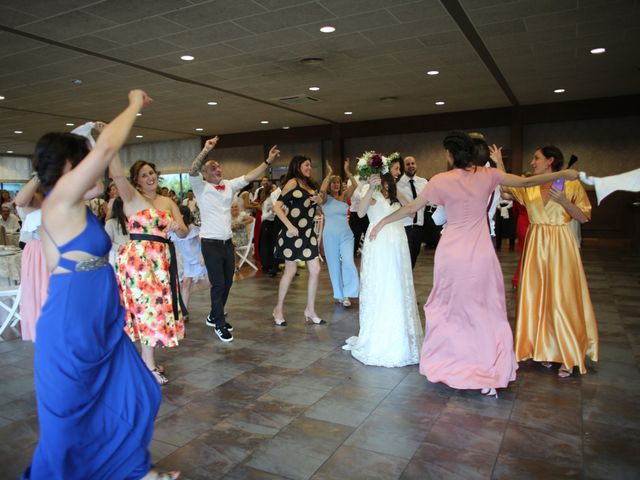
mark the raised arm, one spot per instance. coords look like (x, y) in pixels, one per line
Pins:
(516, 181)
(408, 210)
(257, 172)
(363, 206)
(196, 165)
(354, 183)
(72, 186)
(28, 198)
(325, 182)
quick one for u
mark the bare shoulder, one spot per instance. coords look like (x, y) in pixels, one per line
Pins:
(290, 185)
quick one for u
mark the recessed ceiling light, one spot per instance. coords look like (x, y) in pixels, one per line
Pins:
(1, 97)
(328, 29)
(440, 102)
(199, 129)
(76, 82)
(348, 113)
(286, 127)
(70, 124)
(264, 122)
(9, 151)
(559, 90)
(187, 58)
(312, 61)
(314, 89)
(212, 103)
(598, 51)
(139, 136)
(433, 72)
(17, 131)
(138, 114)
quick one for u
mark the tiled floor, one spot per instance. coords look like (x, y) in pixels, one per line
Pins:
(290, 403)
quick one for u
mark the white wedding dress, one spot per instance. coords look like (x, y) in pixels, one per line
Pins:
(390, 326)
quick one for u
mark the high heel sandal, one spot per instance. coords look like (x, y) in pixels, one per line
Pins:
(160, 378)
(313, 319)
(346, 302)
(564, 371)
(161, 475)
(489, 392)
(279, 322)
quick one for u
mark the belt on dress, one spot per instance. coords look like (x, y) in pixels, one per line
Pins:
(176, 296)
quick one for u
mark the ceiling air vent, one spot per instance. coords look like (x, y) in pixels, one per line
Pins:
(297, 99)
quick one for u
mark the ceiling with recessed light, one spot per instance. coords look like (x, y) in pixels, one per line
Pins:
(67, 61)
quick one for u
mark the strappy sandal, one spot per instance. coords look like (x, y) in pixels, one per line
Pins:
(564, 371)
(160, 378)
(546, 364)
(161, 475)
(160, 368)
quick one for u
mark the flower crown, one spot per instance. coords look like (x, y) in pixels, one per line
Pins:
(371, 163)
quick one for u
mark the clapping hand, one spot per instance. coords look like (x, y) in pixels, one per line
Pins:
(346, 166)
(329, 169)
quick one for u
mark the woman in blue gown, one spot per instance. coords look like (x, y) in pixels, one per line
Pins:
(96, 400)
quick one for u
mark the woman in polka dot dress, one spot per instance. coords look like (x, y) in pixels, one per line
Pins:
(297, 240)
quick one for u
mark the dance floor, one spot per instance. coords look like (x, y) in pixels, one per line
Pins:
(290, 403)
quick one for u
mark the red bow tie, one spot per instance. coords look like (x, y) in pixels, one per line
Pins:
(220, 188)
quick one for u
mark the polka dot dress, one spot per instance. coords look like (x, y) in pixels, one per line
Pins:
(301, 212)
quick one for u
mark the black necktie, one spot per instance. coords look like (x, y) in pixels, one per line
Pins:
(414, 194)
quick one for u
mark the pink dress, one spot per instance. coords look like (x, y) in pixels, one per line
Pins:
(468, 342)
(34, 281)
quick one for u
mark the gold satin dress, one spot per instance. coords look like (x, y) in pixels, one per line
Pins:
(555, 318)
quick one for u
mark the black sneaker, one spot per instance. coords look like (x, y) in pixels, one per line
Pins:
(209, 322)
(223, 334)
(228, 326)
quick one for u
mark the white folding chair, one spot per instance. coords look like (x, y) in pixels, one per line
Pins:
(245, 250)
(13, 317)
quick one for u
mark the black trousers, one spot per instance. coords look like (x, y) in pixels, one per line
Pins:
(358, 227)
(219, 259)
(414, 238)
(268, 238)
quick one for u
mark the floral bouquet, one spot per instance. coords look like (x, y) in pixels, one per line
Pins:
(371, 163)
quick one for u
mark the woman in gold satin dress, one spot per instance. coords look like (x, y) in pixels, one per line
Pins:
(555, 318)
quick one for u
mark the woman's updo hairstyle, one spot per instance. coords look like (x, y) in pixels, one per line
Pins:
(550, 151)
(461, 148)
(52, 152)
(134, 171)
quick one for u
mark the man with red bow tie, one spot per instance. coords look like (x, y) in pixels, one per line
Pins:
(214, 196)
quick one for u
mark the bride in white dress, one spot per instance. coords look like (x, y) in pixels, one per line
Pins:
(390, 327)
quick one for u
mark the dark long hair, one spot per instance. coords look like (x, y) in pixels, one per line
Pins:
(460, 146)
(52, 152)
(393, 190)
(294, 172)
(134, 171)
(117, 212)
(550, 151)
(187, 217)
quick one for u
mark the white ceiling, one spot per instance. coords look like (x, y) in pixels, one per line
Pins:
(247, 55)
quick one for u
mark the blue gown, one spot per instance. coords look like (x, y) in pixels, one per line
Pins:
(96, 399)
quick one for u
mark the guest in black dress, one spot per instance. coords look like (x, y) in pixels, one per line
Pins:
(298, 241)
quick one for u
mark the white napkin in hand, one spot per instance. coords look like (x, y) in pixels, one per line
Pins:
(85, 131)
(628, 181)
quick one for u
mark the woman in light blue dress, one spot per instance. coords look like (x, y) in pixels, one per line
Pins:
(337, 236)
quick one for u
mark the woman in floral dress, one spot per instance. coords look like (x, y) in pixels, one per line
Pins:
(146, 266)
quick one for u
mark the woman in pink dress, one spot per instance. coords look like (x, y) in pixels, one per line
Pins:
(468, 342)
(34, 274)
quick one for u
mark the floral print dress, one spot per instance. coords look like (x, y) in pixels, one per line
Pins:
(142, 268)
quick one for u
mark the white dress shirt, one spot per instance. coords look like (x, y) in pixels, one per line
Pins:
(11, 224)
(404, 186)
(215, 206)
(356, 196)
